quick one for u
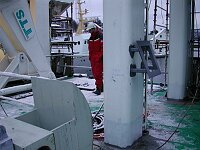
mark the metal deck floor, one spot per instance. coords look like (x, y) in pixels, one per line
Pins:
(163, 118)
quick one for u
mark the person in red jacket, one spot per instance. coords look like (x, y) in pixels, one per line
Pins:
(95, 46)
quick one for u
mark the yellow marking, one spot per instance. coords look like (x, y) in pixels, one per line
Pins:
(5, 26)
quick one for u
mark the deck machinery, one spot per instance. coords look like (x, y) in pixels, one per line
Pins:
(60, 120)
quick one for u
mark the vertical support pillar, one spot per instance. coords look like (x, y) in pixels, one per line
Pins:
(179, 48)
(123, 25)
(40, 15)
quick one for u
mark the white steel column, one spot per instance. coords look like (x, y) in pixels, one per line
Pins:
(179, 48)
(123, 24)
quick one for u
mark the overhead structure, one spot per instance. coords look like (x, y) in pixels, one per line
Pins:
(180, 28)
(123, 96)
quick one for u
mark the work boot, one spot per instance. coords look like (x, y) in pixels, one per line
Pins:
(97, 92)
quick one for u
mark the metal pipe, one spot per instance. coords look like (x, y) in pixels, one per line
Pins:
(165, 72)
(167, 19)
(14, 100)
(154, 36)
(15, 89)
(192, 25)
(147, 20)
(9, 74)
(155, 15)
(192, 40)
(145, 75)
(70, 66)
(68, 55)
(167, 38)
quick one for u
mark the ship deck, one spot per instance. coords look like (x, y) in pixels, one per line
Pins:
(165, 119)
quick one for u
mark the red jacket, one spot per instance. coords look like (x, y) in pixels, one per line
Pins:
(95, 46)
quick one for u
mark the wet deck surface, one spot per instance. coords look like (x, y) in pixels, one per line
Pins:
(163, 118)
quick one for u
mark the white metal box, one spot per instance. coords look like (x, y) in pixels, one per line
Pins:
(26, 136)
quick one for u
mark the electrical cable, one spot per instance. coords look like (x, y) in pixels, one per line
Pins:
(194, 98)
(178, 124)
(184, 114)
(95, 117)
(196, 25)
(98, 111)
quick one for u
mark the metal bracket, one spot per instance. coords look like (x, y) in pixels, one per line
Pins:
(132, 50)
(144, 48)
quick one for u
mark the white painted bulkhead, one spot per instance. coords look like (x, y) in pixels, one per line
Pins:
(179, 48)
(123, 95)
